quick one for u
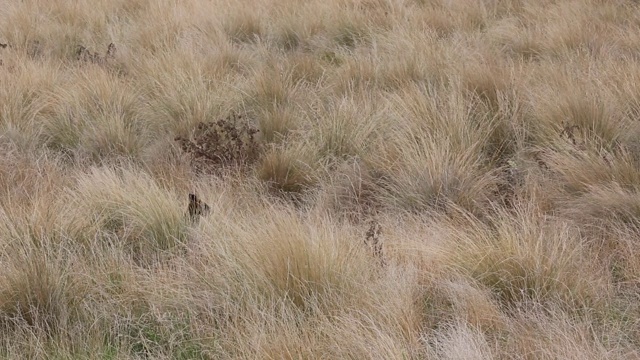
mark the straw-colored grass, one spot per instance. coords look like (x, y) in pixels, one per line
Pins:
(384, 179)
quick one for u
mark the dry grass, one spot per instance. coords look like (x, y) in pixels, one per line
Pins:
(385, 179)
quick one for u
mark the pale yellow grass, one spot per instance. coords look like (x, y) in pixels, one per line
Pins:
(494, 142)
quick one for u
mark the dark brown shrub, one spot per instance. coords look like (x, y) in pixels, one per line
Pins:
(218, 144)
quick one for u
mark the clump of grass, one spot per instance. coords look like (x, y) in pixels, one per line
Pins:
(496, 143)
(350, 32)
(300, 265)
(291, 32)
(355, 75)
(94, 122)
(455, 299)
(195, 86)
(305, 68)
(550, 331)
(347, 129)
(432, 112)
(288, 170)
(459, 340)
(25, 102)
(39, 290)
(591, 122)
(527, 257)
(128, 204)
(146, 335)
(276, 124)
(606, 214)
(34, 181)
(272, 88)
(353, 190)
(427, 176)
(244, 28)
(288, 275)
(487, 82)
(581, 169)
(605, 205)
(580, 114)
(515, 38)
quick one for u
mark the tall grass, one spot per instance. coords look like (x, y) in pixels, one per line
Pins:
(493, 144)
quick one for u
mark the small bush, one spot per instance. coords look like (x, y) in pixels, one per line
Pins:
(223, 143)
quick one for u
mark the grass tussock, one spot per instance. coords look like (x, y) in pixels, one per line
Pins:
(125, 205)
(408, 179)
(526, 257)
(38, 291)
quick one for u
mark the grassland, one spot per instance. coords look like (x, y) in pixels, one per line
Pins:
(495, 144)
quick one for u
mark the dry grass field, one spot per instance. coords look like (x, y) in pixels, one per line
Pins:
(384, 179)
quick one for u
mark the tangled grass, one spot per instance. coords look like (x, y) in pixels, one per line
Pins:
(409, 179)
